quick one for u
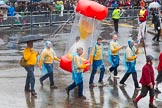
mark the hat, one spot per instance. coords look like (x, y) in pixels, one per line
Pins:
(47, 43)
(99, 38)
(149, 58)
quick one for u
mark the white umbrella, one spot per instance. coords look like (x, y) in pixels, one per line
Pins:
(154, 5)
(2, 2)
(4, 6)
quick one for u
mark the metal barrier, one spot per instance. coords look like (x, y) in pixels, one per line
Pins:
(51, 18)
(40, 19)
(127, 13)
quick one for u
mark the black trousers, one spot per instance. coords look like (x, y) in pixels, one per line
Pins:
(116, 25)
(145, 90)
(157, 36)
(134, 76)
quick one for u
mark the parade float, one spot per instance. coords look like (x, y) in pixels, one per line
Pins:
(84, 32)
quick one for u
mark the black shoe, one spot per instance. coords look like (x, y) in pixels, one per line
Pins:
(153, 39)
(33, 93)
(82, 97)
(41, 82)
(53, 87)
(67, 91)
(157, 90)
(135, 103)
(158, 41)
(152, 106)
(27, 90)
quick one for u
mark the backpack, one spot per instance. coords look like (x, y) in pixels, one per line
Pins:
(23, 62)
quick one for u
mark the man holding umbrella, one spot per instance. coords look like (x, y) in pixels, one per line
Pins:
(158, 29)
(31, 59)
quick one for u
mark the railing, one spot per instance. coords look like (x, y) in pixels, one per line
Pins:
(39, 19)
(49, 18)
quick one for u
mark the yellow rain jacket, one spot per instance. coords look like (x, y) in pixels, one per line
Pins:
(30, 55)
(114, 47)
(97, 53)
(131, 54)
(79, 63)
(48, 56)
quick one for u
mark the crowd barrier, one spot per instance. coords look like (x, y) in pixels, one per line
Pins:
(47, 17)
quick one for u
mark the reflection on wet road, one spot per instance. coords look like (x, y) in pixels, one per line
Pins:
(111, 95)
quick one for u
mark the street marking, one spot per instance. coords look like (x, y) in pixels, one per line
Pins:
(122, 24)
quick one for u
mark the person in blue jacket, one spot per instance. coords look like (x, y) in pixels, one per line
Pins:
(130, 62)
(77, 70)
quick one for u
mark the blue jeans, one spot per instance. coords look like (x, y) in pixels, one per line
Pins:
(80, 88)
(96, 64)
(49, 74)
(30, 79)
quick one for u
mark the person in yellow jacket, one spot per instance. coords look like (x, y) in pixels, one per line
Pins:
(96, 60)
(113, 55)
(46, 60)
(116, 16)
(31, 57)
(130, 62)
(77, 70)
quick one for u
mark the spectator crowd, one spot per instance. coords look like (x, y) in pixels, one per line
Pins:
(24, 7)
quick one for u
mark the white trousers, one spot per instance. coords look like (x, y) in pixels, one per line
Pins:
(141, 31)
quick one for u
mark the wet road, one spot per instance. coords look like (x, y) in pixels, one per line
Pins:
(12, 80)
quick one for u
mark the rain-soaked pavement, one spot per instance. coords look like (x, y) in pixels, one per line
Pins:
(12, 78)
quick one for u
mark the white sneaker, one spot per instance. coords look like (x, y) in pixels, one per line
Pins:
(117, 77)
(100, 83)
(110, 73)
(138, 88)
(122, 85)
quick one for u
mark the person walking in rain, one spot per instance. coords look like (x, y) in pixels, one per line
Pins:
(30, 56)
(116, 17)
(142, 15)
(130, 62)
(158, 29)
(77, 70)
(96, 60)
(147, 81)
(113, 55)
(159, 76)
(154, 14)
(46, 63)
